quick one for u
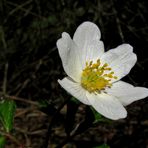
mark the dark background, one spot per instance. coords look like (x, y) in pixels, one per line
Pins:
(29, 30)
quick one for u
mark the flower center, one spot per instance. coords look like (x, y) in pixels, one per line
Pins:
(96, 77)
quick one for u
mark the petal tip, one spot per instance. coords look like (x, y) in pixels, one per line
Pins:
(122, 115)
(128, 45)
(90, 27)
(65, 34)
(88, 23)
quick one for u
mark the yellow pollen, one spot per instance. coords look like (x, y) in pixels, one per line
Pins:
(96, 77)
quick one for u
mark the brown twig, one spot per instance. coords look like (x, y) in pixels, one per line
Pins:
(37, 132)
(12, 138)
(5, 79)
(23, 86)
(20, 99)
(23, 111)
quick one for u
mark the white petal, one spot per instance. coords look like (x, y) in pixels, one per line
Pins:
(107, 105)
(74, 89)
(127, 93)
(120, 59)
(87, 37)
(69, 54)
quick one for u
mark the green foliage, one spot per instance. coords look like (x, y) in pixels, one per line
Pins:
(7, 110)
(75, 100)
(98, 117)
(43, 103)
(2, 141)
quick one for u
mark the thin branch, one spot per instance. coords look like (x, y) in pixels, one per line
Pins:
(37, 132)
(23, 86)
(45, 145)
(12, 138)
(19, 6)
(5, 79)
(2, 37)
(24, 10)
(118, 22)
(20, 99)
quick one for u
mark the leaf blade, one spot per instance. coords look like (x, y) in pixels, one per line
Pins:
(7, 110)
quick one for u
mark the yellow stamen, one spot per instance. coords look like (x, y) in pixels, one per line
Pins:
(96, 77)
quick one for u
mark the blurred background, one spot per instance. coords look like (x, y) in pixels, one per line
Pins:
(29, 30)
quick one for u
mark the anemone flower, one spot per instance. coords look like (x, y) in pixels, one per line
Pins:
(93, 76)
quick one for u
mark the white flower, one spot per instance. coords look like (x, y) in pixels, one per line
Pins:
(93, 75)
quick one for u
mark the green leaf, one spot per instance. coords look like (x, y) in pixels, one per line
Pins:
(75, 100)
(102, 146)
(98, 117)
(7, 110)
(2, 141)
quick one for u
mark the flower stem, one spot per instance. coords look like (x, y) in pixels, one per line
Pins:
(45, 145)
